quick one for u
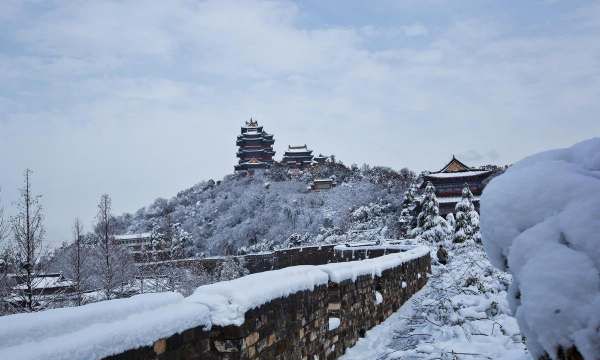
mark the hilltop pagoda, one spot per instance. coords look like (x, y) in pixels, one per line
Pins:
(255, 147)
(450, 181)
(321, 159)
(298, 157)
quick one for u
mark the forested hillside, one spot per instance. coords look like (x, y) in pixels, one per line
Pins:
(274, 208)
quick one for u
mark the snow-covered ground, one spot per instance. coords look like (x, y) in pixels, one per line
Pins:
(462, 313)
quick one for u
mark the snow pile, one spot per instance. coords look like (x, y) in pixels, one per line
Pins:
(21, 328)
(228, 301)
(339, 272)
(462, 313)
(541, 221)
(378, 298)
(334, 323)
(98, 330)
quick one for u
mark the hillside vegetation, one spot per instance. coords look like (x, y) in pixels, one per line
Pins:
(273, 209)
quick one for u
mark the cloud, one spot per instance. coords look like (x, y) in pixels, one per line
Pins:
(142, 98)
(415, 30)
(477, 157)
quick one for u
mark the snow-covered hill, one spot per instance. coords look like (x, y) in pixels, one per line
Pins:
(275, 209)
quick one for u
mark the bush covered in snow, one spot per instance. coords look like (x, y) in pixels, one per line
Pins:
(541, 221)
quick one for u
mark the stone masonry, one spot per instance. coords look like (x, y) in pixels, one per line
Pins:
(297, 327)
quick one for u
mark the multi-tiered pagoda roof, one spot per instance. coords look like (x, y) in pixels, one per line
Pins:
(298, 156)
(321, 159)
(255, 147)
(450, 181)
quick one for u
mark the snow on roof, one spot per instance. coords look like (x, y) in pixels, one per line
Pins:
(46, 282)
(371, 246)
(540, 221)
(144, 235)
(297, 149)
(323, 180)
(457, 174)
(455, 165)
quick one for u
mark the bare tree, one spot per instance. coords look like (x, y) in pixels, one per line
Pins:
(3, 224)
(77, 258)
(5, 285)
(116, 266)
(106, 243)
(28, 229)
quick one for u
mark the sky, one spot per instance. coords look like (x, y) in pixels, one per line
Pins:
(141, 99)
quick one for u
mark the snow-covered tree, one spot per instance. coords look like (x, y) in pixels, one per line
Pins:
(4, 226)
(431, 226)
(5, 263)
(232, 268)
(180, 246)
(451, 220)
(106, 244)
(467, 219)
(113, 263)
(28, 231)
(78, 259)
(407, 210)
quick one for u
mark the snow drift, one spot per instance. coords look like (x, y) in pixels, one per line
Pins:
(541, 221)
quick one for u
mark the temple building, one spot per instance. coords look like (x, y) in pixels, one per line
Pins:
(322, 184)
(321, 159)
(451, 179)
(255, 147)
(298, 157)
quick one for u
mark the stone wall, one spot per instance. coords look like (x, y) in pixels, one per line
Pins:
(297, 326)
(310, 255)
(569, 354)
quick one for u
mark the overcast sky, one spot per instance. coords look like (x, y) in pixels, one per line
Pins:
(141, 99)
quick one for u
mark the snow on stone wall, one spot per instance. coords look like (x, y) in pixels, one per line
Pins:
(228, 301)
(107, 328)
(374, 267)
(541, 221)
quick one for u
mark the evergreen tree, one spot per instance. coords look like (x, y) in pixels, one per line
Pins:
(467, 219)
(407, 210)
(431, 226)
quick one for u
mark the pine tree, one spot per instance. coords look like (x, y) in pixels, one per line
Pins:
(407, 210)
(431, 226)
(467, 219)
